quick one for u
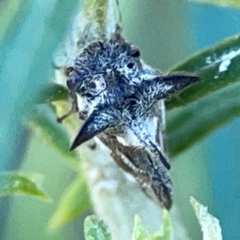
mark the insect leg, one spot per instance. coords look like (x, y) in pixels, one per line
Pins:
(74, 108)
(145, 138)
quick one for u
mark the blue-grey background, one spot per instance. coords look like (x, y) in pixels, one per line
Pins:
(211, 24)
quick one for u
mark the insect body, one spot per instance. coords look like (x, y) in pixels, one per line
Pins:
(121, 93)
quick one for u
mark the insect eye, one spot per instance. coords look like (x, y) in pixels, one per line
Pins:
(135, 53)
(130, 65)
(92, 85)
(70, 84)
(83, 89)
(68, 70)
(88, 95)
(133, 102)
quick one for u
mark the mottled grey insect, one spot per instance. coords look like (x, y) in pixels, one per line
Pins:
(121, 94)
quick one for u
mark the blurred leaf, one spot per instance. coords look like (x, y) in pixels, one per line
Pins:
(26, 50)
(52, 92)
(95, 229)
(7, 11)
(73, 202)
(210, 225)
(217, 67)
(187, 125)
(223, 3)
(12, 12)
(21, 183)
(43, 120)
(209, 103)
(139, 231)
(165, 232)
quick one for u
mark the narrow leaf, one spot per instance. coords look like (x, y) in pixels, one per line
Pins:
(12, 13)
(52, 92)
(26, 47)
(165, 232)
(222, 3)
(217, 67)
(187, 125)
(22, 183)
(139, 231)
(43, 120)
(74, 201)
(95, 229)
(210, 225)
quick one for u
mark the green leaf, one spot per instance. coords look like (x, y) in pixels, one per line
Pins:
(95, 229)
(222, 3)
(210, 225)
(22, 183)
(27, 44)
(165, 232)
(52, 92)
(217, 67)
(210, 103)
(139, 232)
(43, 120)
(187, 125)
(73, 202)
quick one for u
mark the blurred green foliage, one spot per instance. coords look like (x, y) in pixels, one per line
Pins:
(51, 92)
(22, 183)
(217, 67)
(33, 33)
(43, 120)
(74, 201)
(96, 229)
